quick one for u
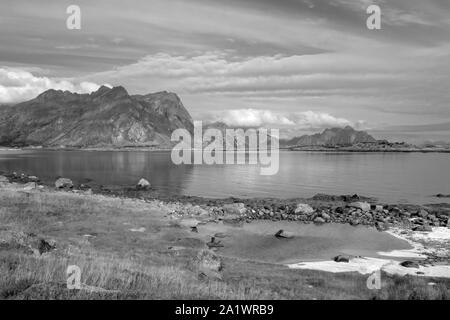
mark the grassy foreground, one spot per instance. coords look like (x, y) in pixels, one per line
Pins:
(162, 262)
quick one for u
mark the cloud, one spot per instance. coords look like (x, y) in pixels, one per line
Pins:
(18, 85)
(267, 118)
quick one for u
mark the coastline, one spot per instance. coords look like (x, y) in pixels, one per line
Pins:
(295, 149)
(416, 224)
(425, 245)
(183, 240)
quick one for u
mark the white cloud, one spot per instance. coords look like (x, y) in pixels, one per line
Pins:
(19, 85)
(261, 118)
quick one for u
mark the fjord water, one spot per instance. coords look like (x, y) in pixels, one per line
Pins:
(390, 177)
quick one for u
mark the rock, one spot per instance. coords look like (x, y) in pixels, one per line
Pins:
(284, 234)
(422, 213)
(197, 211)
(63, 183)
(405, 214)
(3, 180)
(234, 208)
(354, 222)
(190, 223)
(339, 210)
(422, 228)
(45, 246)
(209, 261)
(379, 208)
(410, 264)
(214, 244)
(381, 226)
(364, 206)
(325, 216)
(143, 185)
(33, 178)
(30, 186)
(209, 265)
(319, 220)
(303, 208)
(220, 235)
(342, 258)
(440, 195)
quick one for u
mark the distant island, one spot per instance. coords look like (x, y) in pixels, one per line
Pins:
(351, 140)
(110, 118)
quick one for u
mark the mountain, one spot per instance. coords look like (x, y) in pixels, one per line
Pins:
(331, 137)
(108, 117)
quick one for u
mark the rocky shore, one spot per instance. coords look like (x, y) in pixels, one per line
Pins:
(408, 221)
(321, 208)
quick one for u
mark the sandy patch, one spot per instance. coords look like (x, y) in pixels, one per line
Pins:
(436, 242)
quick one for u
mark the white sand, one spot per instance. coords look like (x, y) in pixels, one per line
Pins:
(437, 242)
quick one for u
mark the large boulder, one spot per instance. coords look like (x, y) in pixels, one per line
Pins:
(3, 180)
(364, 206)
(422, 228)
(303, 208)
(30, 186)
(143, 184)
(209, 261)
(422, 213)
(284, 234)
(410, 264)
(234, 208)
(342, 258)
(63, 183)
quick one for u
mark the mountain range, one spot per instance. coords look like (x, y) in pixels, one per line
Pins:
(104, 118)
(110, 117)
(331, 137)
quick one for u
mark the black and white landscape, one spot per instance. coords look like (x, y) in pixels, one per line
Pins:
(346, 102)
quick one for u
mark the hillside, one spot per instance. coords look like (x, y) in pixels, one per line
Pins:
(331, 137)
(108, 117)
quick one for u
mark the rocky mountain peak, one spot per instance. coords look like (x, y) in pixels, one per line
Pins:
(108, 117)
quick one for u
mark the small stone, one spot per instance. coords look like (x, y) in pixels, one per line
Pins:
(339, 210)
(30, 186)
(319, 220)
(325, 216)
(364, 206)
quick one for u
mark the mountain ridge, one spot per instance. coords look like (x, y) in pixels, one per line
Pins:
(108, 117)
(346, 136)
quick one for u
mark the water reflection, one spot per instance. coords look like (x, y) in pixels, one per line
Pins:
(392, 177)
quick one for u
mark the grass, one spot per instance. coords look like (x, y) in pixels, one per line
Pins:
(122, 264)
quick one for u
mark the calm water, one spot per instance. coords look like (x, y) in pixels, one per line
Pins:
(256, 241)
(391, 177)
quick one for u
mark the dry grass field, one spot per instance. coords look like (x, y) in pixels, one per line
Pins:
(42, 232)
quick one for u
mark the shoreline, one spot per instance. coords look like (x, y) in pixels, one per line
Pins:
(321, 208)
(287, 149)
(185, 228)
(425, 245)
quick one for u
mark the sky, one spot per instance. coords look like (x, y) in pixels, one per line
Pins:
(300, 65)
